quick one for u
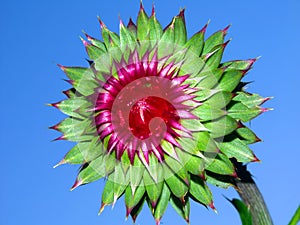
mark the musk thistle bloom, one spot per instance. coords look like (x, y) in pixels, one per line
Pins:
(158, 115)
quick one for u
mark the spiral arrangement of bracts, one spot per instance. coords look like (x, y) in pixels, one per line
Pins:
(159, 115)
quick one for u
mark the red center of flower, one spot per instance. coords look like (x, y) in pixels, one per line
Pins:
(150, 115)
(143, 107)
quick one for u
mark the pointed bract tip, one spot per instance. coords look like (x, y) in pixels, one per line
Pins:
(226, 43)
(181, 13)
(263, 110)
(88, 36)
(141, 6)
(67, 93)
(212, 206)
(255, 159)
(76, 184)
(225, 30)
(203, 30)
(258, 57)
(257, 139)
(157, 221)
(131, 23)
(101, 208)
(60, 163)
(187, 219)
(153, 10)
(85, 43)
(69, 81)
(54, 127)
(128, 211)
(251, 61)
(63, 68)
(134, 217)
(102, 24)
(53, 104)
(121, 21)
(267, 99)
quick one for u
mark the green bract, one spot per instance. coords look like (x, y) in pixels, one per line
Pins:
(159, 115)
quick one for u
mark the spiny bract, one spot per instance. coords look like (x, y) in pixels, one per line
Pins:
(158, 115)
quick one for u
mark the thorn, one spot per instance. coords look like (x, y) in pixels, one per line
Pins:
(226, 43)
(121, 21)
(266, 99)
(157, 221)
(61, 138)
(128, 211)
(252, 61)
(76, 184)
(63, 68)
(90, 38)
(181, 13)
(85, 43)
(141, 6)
(153, 10)
(131, 23)
(69, 81)
(134, 218)
(67, 93)
(53, 104)
(226, 29)
(257, 139)
(203, 30)
(101, 208)
(60, 163)
(187, 219)
(212, 206)
(255, 159)
(263, 110)
(102, 25)
(54, 127)
(258, 57)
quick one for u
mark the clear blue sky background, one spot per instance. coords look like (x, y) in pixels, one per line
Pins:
(35, 35)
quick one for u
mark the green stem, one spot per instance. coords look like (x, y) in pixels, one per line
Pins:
(252, 197)
(296, 218)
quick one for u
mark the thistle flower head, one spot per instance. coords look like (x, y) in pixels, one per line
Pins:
(159, 115)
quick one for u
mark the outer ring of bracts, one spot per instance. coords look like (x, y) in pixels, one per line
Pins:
(194, 143)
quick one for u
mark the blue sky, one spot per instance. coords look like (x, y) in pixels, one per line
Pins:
(37, 35)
